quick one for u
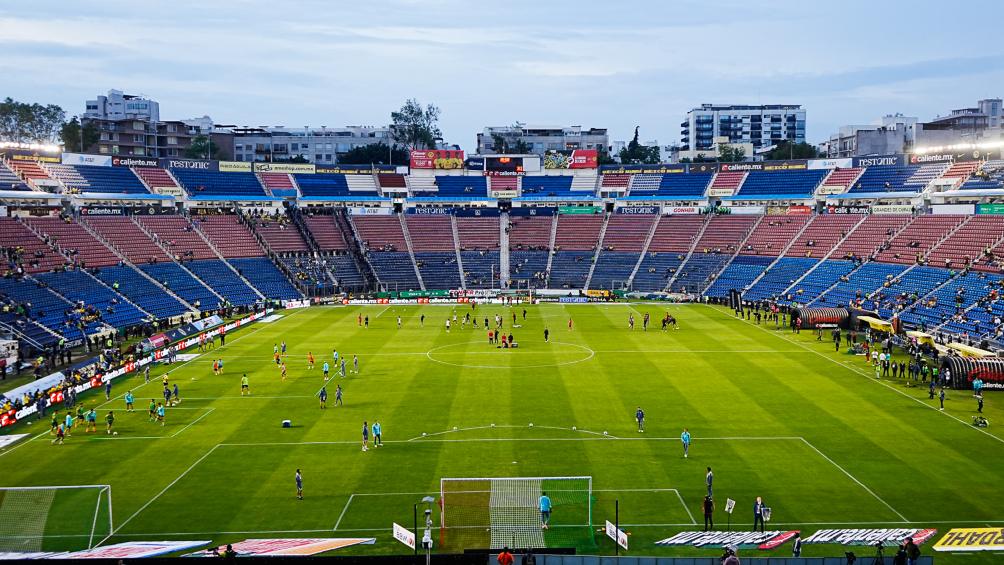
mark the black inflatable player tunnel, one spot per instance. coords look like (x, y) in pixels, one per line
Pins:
(809, 318)
(964, 370)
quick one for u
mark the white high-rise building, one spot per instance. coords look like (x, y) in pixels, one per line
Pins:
(759, 125)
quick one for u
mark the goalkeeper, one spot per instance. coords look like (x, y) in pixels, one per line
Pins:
(545, 510)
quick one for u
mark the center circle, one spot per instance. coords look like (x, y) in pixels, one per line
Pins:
(517, 355)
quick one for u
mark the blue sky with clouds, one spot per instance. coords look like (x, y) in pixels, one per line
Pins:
(594, 64)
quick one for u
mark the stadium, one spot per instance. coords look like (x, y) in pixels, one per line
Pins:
(477, 353)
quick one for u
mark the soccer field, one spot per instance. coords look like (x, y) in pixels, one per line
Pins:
(776, 415)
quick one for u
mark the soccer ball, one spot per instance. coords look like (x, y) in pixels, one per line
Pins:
(115, 433)
(531, 424)
(454, 428)
(574, 428)
(423, 434)
(604, 432)
(493, 425)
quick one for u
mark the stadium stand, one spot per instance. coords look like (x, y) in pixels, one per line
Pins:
(225, 281)
(9, 179)
(688, 186)
(839, 180)
(178, 235)
(990, 176)
(387, 251)
(156, 178)
(392, 182)
(83, 289)
(738, 274)
(822, 233)
(773, 234)
(73, 241)
(622, 244)
(547, 186)
(885, 179)
(167, 275)
(529, 249)
(461, 186)
(674, 237)
(128, 238)
(264, 276)
(913, 242)
(435, 250)
(731, 182)
(322, 185)
(278, 184)
(479, 251)
(211, 183)
(721, 239)
(230, 236)
(29, 170)
(26, 250)
(615, 182)
(778, 278)
(575, 245)
(872, 233)
(279, 234)
(116, 180)
(787, 184)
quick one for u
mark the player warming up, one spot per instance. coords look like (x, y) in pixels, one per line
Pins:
(639, 416)
(544, 503)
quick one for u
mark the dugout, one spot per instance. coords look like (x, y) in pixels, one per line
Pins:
(809, 318)
(966, 369)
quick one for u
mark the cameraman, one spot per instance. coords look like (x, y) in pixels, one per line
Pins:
(730, 557)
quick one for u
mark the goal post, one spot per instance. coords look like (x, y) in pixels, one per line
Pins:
(498, 512)
(54, 518)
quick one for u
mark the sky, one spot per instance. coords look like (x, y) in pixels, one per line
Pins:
(595, 64)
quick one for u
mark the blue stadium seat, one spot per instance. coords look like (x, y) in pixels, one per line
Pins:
(82, 288)
(479, 266)
(322, 185)
(462, 186)
(439, 270)
(779, 277)
(613, 268)
(740, 273)
(569, 269)
(224, 281)
(782, 183)
(395, 270)
(547, 186)
(267, 278)
(212, 183)
(182, 283)
(111, 179)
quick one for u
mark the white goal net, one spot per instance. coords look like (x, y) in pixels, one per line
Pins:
(55, 518)
(499, 512)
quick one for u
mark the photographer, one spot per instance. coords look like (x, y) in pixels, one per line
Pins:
(730, 557)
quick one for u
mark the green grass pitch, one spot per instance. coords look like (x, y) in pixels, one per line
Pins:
(776, 415)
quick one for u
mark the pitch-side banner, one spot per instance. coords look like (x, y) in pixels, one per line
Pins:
(619, 536)
(871, 537)
(760, 540)
(404, 535)
(135, 549)
(285, 547)
(972, 539)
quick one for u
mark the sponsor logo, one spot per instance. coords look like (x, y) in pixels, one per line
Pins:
(616, 534)
(101, 211)
(920, 159)
(574, 159)
(760, 540)
(892, 209)
(573, 299)
(287, 547)
(870, 537)
(720, 192)
(235, 167)
(681, 210)
(504, 193)
(638, 210)
(831, 163)
(187, 164)
(135, 162)
(404, 535)
(732, 167)
(881, 161)
(972, 539)
(437, 159)
(302, 168)
(135, 549)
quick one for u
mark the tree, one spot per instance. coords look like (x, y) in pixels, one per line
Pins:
(30, 123)
(294, 159)
(374, 153)
(416, 127)
(635, 152)
(603, 157)
(79, 138)
(202, 147)
(731, 153)
(788, 150)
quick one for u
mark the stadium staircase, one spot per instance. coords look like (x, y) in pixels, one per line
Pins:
(783, 252)
(411, 249)
(839, 180)
(296, 216)
(126, 261)
(222, 257)
(550, 249)
(713, 276)
(370, 279)
(503, 249)
(690, 252)
(456, 249)
(644, 250)
(599, 248)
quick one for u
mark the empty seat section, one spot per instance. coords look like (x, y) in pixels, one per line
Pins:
(547, 186)
(393, 182)
(74, 241)
(618, 182)
(322, 185)
(990, 176)
(778, 278)
(673, 238)
(346, 272)
(914, 241)
(839, 180)
(481, 268)
(859, 285)
(822, 233)
(478, 233)
(435, 250)
(690, 185)
(229, 235)
(504, 183)
(182, 283)
(140, 290)
(622, 244)
(721, 239)
(68, 176)
(81, 288)
(128, 238)
(156, 177)
(266, 277)
(819, 279)
(530, 266)
(9, 179)
(29, 170)
(281, 236)
(178, 235)
(738, 274)
(110, 179)
(969, 243)
(462, 186)
(575, 245)
(387, 251)
(361, 185)
(730, 181)
(866, 238)
(213, 183)
(645, 185)
(224, 281)
(898, 296)
(326, 233)
(782, 183)
(773, 234)
(885, 179)
(279, 184)
(35, 256)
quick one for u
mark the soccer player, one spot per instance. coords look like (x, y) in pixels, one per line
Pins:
(108, 390)
(377, 442)
(92, 421)
(544, 503)
(109, 422)
(338, 395)
(161, 412)
(244, 385)
(491, 337)
(639, 415)
(129, 400)
(221, 365)
(54, 424)
(941, 397)
(546, 333)
(323, 396)
(359, 319)
(709, 513)
(399, 321)
(341, 370)
(447, 325)
(355, 364)
(644, 322)
(709, 479)
(275, 350)
(334, 354)
(366, 436)
(167, 394)
(310, 360)
(282, 370)
(216, 366)
(421, 320)
(299, 485)
(283, 348)
(570, 323)
(325, 368)
(177, 395)
(685, 439)
(153, 410)
(366, 322)
(146, 373)
(631, 321)
(60, 434)
(69, 423)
